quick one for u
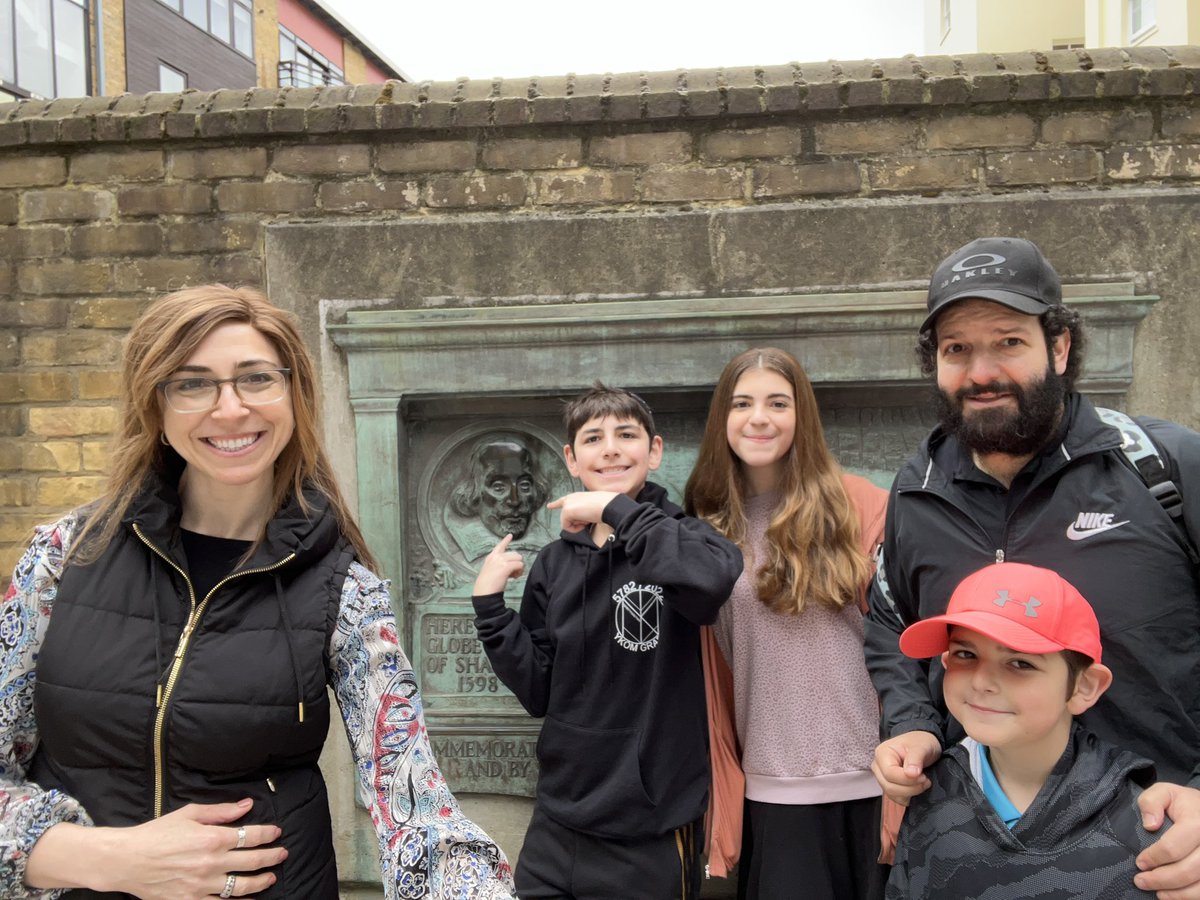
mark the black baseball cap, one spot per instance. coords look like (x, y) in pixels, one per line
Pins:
(1007, 270)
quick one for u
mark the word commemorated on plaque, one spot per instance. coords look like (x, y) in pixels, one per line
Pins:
(498, 764)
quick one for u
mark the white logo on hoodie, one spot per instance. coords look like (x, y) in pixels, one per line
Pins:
(636, 616)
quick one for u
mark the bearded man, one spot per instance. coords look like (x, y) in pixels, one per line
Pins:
(1021, 468)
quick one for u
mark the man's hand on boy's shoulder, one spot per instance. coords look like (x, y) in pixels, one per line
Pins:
(1171, 866)
(499, 567)
(583, 508)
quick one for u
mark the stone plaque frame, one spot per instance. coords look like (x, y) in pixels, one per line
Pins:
(859, 343)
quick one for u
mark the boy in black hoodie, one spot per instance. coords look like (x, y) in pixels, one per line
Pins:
(607, 648)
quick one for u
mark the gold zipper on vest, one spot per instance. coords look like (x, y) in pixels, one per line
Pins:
(163, 695)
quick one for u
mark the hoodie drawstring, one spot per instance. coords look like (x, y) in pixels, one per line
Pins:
(158, 665)
(583, 592)
(287, 633)
(612, 638)
(588, 552)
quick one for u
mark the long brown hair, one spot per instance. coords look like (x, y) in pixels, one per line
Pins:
(813, 540)
(162, 340)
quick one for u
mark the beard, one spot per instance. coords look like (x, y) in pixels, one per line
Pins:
(1018, 432)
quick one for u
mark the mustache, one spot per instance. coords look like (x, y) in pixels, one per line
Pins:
(999, 430)
(992, 387)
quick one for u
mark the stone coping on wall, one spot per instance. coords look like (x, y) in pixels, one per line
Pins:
(826, 88)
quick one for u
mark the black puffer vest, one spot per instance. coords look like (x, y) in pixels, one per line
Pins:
(140, 712)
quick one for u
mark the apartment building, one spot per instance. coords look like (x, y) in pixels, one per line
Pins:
(75, 48)
(1004, 26)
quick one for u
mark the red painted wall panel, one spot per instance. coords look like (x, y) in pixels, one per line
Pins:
(375, 75)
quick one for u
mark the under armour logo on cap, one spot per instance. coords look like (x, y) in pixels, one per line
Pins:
(1030, 605)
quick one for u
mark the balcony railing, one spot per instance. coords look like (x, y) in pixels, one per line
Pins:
(300, 74)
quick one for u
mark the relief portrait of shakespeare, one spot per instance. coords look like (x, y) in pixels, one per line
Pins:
(502, 491)
(489, 484)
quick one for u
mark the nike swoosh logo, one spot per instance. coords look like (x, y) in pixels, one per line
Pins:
(1077, 535)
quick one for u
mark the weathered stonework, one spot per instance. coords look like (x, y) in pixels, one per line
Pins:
(801, 181)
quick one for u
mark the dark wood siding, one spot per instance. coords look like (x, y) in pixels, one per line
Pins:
(154, 32)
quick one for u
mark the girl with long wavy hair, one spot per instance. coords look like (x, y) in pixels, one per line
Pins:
(167, 651)
(793, 715)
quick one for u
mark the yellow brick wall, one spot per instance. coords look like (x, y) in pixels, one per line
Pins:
(114, 47)
(66, 388)
(355, 65)
(266, 42)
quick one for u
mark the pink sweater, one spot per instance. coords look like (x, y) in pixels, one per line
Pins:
(807, 716)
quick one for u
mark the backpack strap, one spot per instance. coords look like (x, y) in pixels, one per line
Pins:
(1141, 454)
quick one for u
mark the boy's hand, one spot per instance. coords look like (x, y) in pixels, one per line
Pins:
(499, 567)
(581, 509)
(900, 764)
(1171, 866)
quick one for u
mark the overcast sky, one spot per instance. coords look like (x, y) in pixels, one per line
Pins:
(489, 38)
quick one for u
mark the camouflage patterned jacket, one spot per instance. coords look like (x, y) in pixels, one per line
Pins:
(1078, 838)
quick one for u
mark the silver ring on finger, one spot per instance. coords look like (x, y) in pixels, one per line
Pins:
(230, 884)
(241, 842)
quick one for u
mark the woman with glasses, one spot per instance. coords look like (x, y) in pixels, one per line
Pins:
(165, 651)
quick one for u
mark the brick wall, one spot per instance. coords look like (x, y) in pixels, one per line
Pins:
(355, 65)
(107, 202)
(266, 42)
(113, 12)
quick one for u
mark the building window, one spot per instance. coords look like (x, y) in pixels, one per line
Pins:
(220, 20)
(170, 79)
(300, 65)
(43, 48)
(229, 21)
(196, 12)
(1141, 18)
(945, 17)
(1067, 44)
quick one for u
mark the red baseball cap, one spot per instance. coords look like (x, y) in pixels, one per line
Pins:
(1025, 608)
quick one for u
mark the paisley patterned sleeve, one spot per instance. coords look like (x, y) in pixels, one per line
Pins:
(26, 811)
(427, 847)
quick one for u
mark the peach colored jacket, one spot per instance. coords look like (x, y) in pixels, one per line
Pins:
(723, 823)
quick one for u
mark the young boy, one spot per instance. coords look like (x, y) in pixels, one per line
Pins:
(1029, 804)
(607, 648)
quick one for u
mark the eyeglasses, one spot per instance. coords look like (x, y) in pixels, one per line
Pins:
(195, 395)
